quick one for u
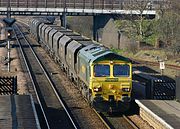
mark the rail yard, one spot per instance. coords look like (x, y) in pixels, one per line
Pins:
(52, 77)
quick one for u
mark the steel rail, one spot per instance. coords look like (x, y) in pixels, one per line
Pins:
(134, 126)
(130, 122)
(51, 83)
(31, 78)
(21, 21)
(100, 117)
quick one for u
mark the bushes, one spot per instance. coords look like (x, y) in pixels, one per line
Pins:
(132, 30)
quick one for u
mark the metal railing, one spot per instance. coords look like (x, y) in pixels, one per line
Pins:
(83, 4)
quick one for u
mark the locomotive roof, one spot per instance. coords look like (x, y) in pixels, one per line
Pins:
(111, 56)
(96, 52)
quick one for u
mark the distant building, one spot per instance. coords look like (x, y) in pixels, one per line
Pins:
(113, 37)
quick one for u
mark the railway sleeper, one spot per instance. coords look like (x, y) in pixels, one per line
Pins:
(56, 59)
(51, 54)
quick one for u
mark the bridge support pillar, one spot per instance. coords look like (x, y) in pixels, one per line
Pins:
(63, 20)
(99, 22)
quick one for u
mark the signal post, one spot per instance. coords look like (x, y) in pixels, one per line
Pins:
(9, 22)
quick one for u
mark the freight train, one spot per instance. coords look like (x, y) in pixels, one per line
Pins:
(103, 77)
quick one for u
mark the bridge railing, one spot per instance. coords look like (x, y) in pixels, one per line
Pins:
(80, 4)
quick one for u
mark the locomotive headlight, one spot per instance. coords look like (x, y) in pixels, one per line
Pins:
(126, 89)
(97, 89)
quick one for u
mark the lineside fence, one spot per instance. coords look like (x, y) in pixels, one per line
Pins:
(8, 85)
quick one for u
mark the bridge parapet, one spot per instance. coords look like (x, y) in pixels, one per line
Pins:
(71, 11)
(85, 4)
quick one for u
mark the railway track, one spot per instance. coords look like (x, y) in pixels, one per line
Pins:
(109, 122)
(54, 112)
(117, 122)
(81, 111)
(142, 62)
(132, 124)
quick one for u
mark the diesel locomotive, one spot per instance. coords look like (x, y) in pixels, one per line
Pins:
(103, 77)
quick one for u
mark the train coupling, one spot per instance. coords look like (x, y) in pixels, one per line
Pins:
(111, 98)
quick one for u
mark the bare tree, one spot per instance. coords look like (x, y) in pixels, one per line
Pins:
(168, 26)
(139, 6)
(137, 25)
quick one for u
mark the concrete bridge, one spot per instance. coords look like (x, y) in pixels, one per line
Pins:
(101, 10)
(79, 7)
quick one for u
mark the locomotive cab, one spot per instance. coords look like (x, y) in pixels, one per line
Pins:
(112, 77)
(108, 77)
(111, 85)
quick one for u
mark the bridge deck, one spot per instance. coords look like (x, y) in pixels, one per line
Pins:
(91, 4)
(70, 11)
(81, 6)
